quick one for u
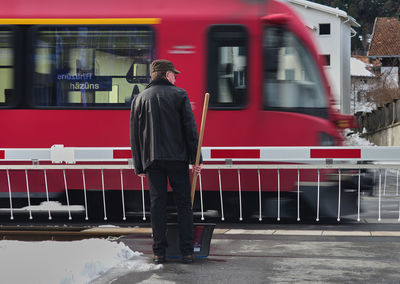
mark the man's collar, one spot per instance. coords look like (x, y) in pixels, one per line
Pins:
(159, 81)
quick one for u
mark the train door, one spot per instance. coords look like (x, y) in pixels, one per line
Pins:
(227, 82)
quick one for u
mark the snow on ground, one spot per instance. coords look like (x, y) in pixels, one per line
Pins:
(54, 206)
(66, 262)
(354, 139)
(365, 107)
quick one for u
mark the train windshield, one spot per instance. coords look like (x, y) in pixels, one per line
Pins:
(6, 66)
(91, 66)
(291, 79)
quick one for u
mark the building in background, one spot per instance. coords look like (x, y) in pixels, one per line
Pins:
(333, 29)
(362, 82)
(385, 46)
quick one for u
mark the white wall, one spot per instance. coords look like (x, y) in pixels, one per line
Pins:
(345, 56)
(387, 136)
(337, 45)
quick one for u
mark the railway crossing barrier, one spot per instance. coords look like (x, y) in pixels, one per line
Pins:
(381, 160)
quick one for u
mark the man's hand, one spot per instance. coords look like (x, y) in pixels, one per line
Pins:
(197, 169)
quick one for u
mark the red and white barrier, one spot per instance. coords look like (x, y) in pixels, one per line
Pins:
(301, 153)
(63, 158)
(70, 155)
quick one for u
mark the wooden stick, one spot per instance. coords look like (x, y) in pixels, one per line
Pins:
(203, 121)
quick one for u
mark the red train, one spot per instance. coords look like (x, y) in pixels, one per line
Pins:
(69, 70)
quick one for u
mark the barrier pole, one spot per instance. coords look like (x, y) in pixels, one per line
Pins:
(104, 194)
(201, 197)
(220, 195)
(259, 194)
(122, 195)
(9, 192)
(397, 190)
(29, 197)
(399, 213)
(359, 193)
(384, 183)
(66, 195)
(203, 122)
(340, 191)
(47, 191)
(298, 194)
(379, 199)
(318, 190)
(84, 194)
(240, 198)
(279, 198)
(143, 204)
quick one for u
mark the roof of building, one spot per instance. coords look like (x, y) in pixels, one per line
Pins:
(330, 10)
(385, 38)
(359, 67)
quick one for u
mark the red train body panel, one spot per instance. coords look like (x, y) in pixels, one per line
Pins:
(184, 32)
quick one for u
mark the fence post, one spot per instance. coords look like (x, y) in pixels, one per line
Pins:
(66, 195)
(84, 194)
(9, 192)
(220, 195)
(318, 184)
(259, 193)
(47, 191)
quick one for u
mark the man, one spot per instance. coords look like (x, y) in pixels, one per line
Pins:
(164, 142)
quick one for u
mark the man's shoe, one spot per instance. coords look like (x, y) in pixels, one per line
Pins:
(159, 259)
(188, 259)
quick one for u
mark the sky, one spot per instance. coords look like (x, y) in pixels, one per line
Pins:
(66, 262)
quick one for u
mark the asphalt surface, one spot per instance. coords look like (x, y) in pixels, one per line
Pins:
(287, 251)
(280, 253)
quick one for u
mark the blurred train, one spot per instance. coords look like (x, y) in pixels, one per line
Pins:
(69, 70)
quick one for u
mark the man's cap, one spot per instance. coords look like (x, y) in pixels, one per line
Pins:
(163, 65)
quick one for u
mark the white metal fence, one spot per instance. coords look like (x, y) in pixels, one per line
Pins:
(382, 161)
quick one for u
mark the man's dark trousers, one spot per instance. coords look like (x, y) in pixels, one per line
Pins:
(178, 175)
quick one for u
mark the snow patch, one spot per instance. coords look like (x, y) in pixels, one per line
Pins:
(359, 68)
(354, 139)
(66, 262)
(54, 206)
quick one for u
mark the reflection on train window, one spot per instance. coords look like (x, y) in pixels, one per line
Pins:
(6, 66)
(91, 66)
(227, 67)
(291, 77)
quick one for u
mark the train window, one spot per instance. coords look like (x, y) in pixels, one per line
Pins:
(91, 66)
(291, 78)
(227, 67)
(6, 66)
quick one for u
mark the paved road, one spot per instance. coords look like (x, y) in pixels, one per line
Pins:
(349, 251)
(262, 253)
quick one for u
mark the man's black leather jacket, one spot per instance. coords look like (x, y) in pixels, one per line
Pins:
(162, 126)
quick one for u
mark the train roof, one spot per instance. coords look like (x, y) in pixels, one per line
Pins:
(135, 8)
